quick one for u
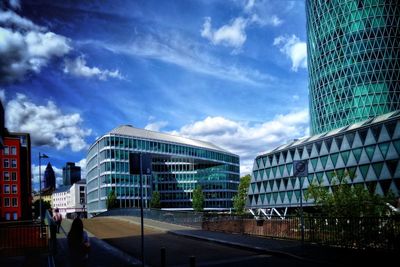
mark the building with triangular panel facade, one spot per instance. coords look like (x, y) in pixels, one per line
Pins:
(354, 82)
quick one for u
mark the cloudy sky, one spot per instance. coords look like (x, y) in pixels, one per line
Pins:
(229, 72)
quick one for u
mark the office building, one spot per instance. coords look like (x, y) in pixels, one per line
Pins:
(49, 178)
(71, 173)
(70, 199)
(354, 84)
(178, 166)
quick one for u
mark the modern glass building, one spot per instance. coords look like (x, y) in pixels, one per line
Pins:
(354, 83)
(178, 166)
(353, 60)
(369, 151)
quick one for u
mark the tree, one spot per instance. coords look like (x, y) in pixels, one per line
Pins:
(346, 200)
(45, 206)
(198, 199)
(155, 200)
(239, 200)
(111, 200)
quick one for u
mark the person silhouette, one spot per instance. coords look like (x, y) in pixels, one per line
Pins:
(78, 244)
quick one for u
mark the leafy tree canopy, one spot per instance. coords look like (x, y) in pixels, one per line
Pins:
(239, 200)
(198, 199)
(155, 200)
(347, 200)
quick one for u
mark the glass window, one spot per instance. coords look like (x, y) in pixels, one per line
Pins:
(14, 188)
(8, 215)
(13, 150)
(6, 163)
(14, 202)
(6, 202)
(13, 163)
(15, 216)
(6, 176)
(6, 150)
(6, 189)
(13, 176)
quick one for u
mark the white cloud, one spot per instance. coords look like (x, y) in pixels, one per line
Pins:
(232, 35)
(47, 125)
(245, 139)
(174, 49)
(294, 49)
(78, 67)
(156, 126)
(82, 164)
(26, 47)
(270, 20)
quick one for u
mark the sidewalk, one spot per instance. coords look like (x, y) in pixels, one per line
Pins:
(322, 255)
(101, 254)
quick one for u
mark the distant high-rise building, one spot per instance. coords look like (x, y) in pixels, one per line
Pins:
(353, 61)
(49, 178)
(71, 173)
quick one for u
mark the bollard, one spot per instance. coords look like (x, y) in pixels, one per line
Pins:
(192, 261)
(163, 257)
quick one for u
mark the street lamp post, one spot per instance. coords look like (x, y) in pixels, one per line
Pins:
(41, 156)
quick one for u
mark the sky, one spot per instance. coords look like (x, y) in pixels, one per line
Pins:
(230, 72)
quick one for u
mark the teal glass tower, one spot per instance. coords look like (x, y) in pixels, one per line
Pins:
(353, 60)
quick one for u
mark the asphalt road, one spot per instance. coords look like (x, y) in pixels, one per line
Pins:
(126, 237)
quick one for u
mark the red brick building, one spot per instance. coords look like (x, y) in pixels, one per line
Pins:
(15, 177)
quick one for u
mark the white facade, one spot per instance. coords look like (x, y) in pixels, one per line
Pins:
(70, 200)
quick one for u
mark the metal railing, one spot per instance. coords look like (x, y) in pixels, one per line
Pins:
(357, 232)
(23, 237)
(192, 219)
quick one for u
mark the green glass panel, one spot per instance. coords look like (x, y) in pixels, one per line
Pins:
(324, 160)
(268, 171)
(262, 197)
(297, 194)
(253, 187)
(377, 168)
(289, 167)
(289, 194)
(384, 147)
(357, 153)
(320, 176)
(278, 183)
(364, 170)
(274, 171)
(334, 158)
(265, 185)
(345, 156)
(370, 151)
(268, 196)
(282, 195)
(275, 196)
(314, 162)
(293, 181)
(397, 146)
(281, 168)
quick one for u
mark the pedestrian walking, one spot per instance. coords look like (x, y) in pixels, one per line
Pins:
(78, 244)
(57, 217)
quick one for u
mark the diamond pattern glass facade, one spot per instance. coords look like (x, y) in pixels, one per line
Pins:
(370, 150)
(353, 60)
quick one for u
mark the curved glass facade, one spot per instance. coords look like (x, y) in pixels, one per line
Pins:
(353, 60)
(177, 168)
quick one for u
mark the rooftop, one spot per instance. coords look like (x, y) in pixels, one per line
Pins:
(129, 130)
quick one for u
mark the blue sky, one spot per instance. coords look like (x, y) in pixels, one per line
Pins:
(233, 73)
